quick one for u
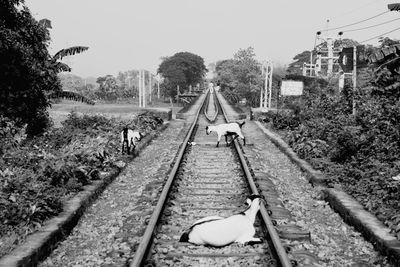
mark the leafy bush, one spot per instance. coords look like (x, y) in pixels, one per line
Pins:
(361, 151)
(11, 135)
(282, 121)
(39, 174)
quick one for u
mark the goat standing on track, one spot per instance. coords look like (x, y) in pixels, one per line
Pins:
(233, 128)
(218, 231)
(129, 138)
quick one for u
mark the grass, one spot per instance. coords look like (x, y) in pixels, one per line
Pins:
(59, 112)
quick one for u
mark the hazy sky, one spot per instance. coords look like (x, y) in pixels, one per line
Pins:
(133, 34)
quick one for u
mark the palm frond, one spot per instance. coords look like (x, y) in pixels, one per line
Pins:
(70, 51)
(72, 96)
(61, 67)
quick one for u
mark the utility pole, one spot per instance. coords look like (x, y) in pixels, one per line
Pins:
(150, 87)
(354, 76)
(141, 88)
(144, 88)
(310, 67)
(331, 54)
(266, 94)
(262, 91)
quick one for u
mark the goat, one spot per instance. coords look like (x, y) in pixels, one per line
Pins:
(233, 128)
(130, 139)
(217, 231)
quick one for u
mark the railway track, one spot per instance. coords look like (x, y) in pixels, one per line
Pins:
(206, 180)
(211, 109)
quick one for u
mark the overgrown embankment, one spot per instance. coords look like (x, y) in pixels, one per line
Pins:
(360, 151)
(40, 174)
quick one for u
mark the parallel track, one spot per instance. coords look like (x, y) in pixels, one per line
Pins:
(204, 181)
(212, 108)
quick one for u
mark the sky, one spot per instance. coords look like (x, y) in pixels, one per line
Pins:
(135, 34)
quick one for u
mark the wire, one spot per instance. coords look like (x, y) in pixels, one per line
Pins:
(352, 10)
(341, 27)
(380, 35)
(359, 29)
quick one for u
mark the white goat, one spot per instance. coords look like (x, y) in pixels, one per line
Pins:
(233, 128)
(130, 139)
(218, 231)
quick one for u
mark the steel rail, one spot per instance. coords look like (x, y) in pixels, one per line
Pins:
(280, 250)
(147, 236)
(214, 116)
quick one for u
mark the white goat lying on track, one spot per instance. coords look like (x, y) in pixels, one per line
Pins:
(130, 139)
(218, 231)
(233, 128)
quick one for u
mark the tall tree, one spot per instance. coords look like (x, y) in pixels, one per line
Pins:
(240, 77)
(26, 73)
(182, 69)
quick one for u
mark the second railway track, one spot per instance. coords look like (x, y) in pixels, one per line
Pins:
(209, 181)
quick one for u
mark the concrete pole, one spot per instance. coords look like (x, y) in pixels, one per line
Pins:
(140, 87)
(150, 87)
(262, 89)
(144, 88)
(329, 43)
(270, 84)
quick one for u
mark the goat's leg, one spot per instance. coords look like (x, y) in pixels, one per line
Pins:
(128, 147)
(219, 138)
(123, 145)
(226, 139)
(248, 235)
(253, 241)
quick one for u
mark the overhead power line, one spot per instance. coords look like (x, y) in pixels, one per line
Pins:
(368, 27)
(353, 10)
(355, 23)
(380, 35)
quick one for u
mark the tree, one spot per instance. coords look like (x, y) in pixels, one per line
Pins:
(240, 77)
(108, 88)
(63, 67)
(385, 62)
(181, 69)
(296, 67)
(27, 73)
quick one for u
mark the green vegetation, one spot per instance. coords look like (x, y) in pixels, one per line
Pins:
(30, 73)
(183, 69)
(38, 175)
(241, 77)
(360, 151)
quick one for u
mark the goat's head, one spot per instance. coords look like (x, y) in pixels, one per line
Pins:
(254, 198)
